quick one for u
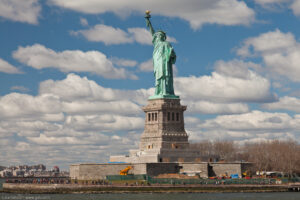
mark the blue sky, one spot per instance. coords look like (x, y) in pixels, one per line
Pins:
(75, 73)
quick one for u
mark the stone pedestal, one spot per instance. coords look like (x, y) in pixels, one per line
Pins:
(164, 138)
(164, 125)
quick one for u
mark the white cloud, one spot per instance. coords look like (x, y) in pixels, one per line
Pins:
(263, 2)
(89, 140)
(106, 34)
(123, 62)
(49, 149)
(255, 120)
(58, 120)
(20, 88)
(8, 68)
(86, 107)
(39, 57)
(141, 35)
(75, 88)
(268, 43)
(27, 128)
(278, 5)
(197, 13)
(232, 82)
(105, 123)
(280, 52)
(83, 21)
(255, 125)
(171, 39)
(146, 66)
(277, 85)
(207, 107)
(83, 96)
(236, 68)
(23, 105)
(272, 3)
(296, 7)
(226, 91)
(93, 147)
(26, 11)
(112, 36)
(32, 128)
(284, 103)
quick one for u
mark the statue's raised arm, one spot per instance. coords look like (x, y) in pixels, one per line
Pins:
(148, 23)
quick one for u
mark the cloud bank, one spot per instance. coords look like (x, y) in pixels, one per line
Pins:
(113, 36)
(279, 51)
(39, 57)
(26, 11)
(197, 13)
(8, 68)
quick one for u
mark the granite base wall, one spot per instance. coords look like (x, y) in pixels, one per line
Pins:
(219, 169)
(195, 167)
(154, 169)
(100, 171)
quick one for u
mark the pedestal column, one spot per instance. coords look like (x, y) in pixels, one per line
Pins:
(164, 125)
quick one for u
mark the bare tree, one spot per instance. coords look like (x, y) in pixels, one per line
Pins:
(225, 149)
(275, 155)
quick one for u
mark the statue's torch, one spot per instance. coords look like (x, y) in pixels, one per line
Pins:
(147, 16)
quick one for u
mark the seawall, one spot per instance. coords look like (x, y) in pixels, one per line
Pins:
(76, 188)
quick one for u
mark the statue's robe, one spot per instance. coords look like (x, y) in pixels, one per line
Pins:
(163, 58)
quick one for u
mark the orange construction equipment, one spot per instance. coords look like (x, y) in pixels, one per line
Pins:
(247, 173)
(125, 171)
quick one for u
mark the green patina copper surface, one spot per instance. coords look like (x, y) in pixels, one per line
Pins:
(163, 58)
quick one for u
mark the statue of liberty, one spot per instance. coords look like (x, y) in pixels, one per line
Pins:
(163, 58)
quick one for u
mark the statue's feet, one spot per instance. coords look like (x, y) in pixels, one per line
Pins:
(164, 96)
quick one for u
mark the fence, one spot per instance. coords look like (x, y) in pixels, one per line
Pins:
(217, 181)
(126, 177)
(151, 180)
(1, 182)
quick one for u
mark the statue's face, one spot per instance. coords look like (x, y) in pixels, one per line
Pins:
(161, 37)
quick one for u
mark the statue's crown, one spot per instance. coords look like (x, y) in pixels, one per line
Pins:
(160, 32)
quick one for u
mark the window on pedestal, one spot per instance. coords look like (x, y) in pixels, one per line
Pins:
(177, 116)
(155, 116)
(169, 116)
(149, 116)
(152, 116)
(173, 116)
